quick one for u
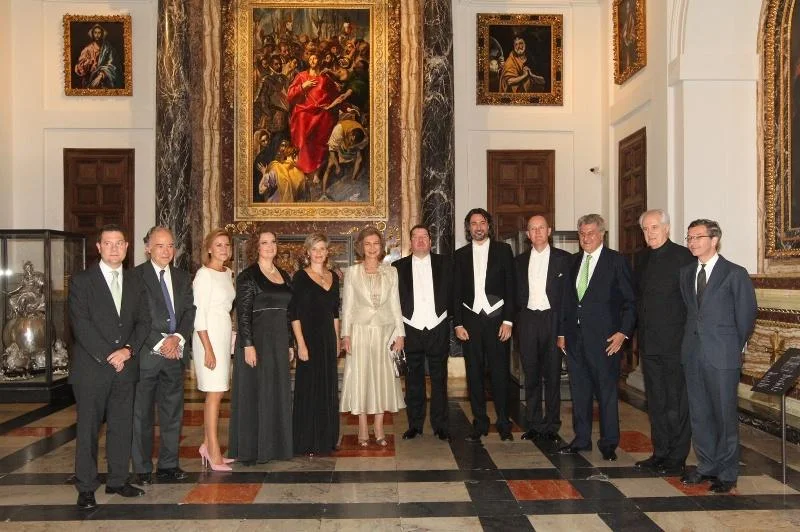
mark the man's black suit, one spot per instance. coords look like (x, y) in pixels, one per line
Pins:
(99, 390)
(537, 331)
(661, 317)
(431, 343)
(484, 349)
(713, 340)
(608, 306)
(161, 379)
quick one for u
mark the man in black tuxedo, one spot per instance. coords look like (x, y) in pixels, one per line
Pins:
(661, 318)
(541, 274)
(599, 314)
(720, 316)
(483, 313)
(110, 321)
(161, 359)
(425, 284)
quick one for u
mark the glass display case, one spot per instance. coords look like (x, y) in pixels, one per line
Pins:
(35, 270)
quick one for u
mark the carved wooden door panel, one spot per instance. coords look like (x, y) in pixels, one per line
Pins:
(99, 190)
(520, 183)
(632, 192)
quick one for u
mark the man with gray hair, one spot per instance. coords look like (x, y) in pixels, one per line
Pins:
(162, 361)
(661, 315)
(598, 315)
(720, 316)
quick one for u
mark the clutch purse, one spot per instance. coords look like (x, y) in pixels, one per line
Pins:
(399, 363)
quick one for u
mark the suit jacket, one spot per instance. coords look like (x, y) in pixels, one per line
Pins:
(500, 282)
(99, 330)
(183, 303)
(660, 311)
(557, 275)
(441, 268)
(608, 305)
(718, 330)
(357, 306)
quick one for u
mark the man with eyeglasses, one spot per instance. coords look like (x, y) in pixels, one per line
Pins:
(720, 315)
(598, 315)
(661, 317)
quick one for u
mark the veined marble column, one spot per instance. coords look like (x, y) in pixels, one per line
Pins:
(438, 145)
(173, 128)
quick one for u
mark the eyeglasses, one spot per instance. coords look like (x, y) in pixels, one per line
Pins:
(690, 238)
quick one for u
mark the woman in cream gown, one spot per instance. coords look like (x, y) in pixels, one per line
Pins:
(371, 323)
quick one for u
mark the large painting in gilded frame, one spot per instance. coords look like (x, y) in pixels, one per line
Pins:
(98, 55)
(311, 110)
(520, 59)
(630, 38)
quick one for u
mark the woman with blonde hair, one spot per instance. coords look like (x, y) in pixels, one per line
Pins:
(211, 344)
(372, 324)
(314, 313)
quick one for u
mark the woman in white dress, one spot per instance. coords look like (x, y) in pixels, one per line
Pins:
(371, 323)
(211, 345)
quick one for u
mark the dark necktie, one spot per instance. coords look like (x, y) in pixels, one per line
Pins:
(701, 283)
(167, 302)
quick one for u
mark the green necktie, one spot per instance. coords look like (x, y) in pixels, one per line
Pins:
(116, 290)
(583, 278)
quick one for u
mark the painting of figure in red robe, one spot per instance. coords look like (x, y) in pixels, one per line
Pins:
(311, 105)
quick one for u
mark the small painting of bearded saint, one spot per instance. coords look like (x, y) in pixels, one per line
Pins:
(97, 55)
(520, 59)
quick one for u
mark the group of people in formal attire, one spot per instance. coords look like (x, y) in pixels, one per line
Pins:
(693, 310)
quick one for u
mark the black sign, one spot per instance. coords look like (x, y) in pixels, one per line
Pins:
(781, 376)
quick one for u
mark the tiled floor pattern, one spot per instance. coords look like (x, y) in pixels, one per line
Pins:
(416, 485)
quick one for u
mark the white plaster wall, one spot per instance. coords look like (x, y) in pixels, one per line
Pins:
(574, 130)
(6, 150)
(712, 75)
(44, 120)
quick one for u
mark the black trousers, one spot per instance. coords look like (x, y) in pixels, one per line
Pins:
(593, 374)
(484, 350)
(114, 400)
(433, 344)
(667, 407)
(541, 362)
(160, 385)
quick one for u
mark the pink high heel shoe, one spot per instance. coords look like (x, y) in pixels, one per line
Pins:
(205, 459)
(204, 450)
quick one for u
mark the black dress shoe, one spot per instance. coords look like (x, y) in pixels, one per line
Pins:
(505, 435)
(531, 434)
(721, 486)
(126, 490)
(649, 463)
(609, 455)
(669, 470)
(551, 437)
(86, 500)
(142, 479)
(443, 435)
(172, 473)
(411, 433)
(694, 477)
(475, 436)
(572, 449)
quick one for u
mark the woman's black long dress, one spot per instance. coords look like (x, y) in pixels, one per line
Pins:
(261, 397)
(316, 404)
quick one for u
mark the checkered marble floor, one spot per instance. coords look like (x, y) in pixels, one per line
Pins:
(412, 485)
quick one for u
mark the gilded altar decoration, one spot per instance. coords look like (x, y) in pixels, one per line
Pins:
(630, 38)
(311, 110)
(520, 59)
(98, 55)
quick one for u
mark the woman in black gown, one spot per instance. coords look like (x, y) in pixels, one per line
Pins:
(314, 312)
(261, 408)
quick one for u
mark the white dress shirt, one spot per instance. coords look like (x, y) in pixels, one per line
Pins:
(424, 302)
(537, 279)
(592, 265)
(106, 269)
(709, 266)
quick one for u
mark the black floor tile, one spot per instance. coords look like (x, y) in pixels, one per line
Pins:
(437, 509)
(362, 510)
(621, 521)
(667, 504)
(597, 489)
(489, 490)
(530, 474)
(548, 507)
(496, 508)
(504, 523)
(231, 477)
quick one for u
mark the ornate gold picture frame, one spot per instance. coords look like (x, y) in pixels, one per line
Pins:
(98, 55)
(780, 100)
(311, 110)
(630, 38)
(520, 59)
